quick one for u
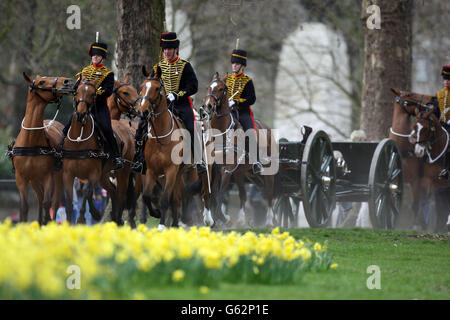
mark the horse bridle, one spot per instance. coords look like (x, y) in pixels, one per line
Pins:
(82, 117)
(218, 101)
(429, 142)
(405, 103)
(153, 102)
(118, 99)
(34, 88)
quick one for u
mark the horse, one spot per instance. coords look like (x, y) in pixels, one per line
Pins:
(33, 151)
(84, 157)
(163, 138)
(405, 106)
(431, 142)
(122, 102)
(223, 121)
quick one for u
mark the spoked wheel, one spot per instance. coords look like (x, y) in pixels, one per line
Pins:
(318, 180)
(386, 185)
(286, 211)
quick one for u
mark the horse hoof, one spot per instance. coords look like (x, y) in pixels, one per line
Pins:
(182, 225)
(161, 227)
(227, 218)
(208, 222)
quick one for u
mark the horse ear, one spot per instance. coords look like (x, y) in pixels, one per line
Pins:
(27, 77)
(145, 72)
(127, 78)
(396, 91)
(158, 72)
(215, 76)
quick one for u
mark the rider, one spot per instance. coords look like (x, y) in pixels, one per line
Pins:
(443, 97)
(241, 95)
(180, 82)
(105, 85)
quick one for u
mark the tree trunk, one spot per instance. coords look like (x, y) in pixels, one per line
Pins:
(140, 23)
(387, 64)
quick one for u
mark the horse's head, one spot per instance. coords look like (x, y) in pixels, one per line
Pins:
(84, 99)
(126, 96)
(410, 101)
(49, 89)
(216, 95)
(424, 132)
(152, 93)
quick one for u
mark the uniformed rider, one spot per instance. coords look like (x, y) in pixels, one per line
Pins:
(105, 85)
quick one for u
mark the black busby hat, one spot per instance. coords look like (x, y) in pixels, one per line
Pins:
(169, 40)
(445, 73)
(98, 48)
(239, 56)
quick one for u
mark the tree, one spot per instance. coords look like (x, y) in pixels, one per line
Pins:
(387, 63)
(139, 24)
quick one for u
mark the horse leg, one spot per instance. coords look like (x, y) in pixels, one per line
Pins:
(57, 190)
(37, 187)
(68, 190)
(171, 179)
(112, 191)
(241, 221)
(442, 209)
(122, 188)
(268, 192)
(47, 202)
(223, 185)
(148, 191)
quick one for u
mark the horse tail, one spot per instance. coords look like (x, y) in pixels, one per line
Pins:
(130, 191)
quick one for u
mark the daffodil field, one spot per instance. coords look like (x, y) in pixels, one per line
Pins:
(121, 263)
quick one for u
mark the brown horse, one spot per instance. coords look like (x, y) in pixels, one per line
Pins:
(123, 102)
(83, 157)
(238, 171)
(34, 148)
(405, 105)
(162, 127)
(431, 142)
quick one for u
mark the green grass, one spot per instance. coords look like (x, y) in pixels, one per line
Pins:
(412, 267)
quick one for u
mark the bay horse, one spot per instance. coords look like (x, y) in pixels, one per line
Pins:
(431, 143)
(405, 106)
(123, 102)
(33, 151)
(84, 157)
(223, 121)
(162, 139)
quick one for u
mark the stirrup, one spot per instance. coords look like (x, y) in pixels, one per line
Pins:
(138, 167)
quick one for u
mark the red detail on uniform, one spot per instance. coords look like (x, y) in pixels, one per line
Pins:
(251, 115)
(239, 75)
(97, 65)
(174, 60)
